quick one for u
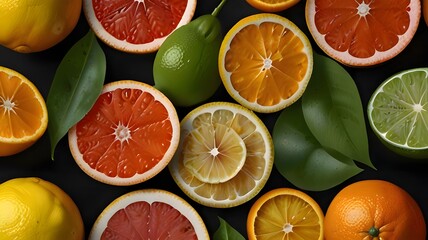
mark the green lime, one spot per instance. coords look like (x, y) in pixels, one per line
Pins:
(397, 112)
(185, 68)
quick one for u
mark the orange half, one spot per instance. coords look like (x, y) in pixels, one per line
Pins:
(23, 112)
(272, 5)
(129, 135)
(361, 32)
(285, 213)
(265, 62)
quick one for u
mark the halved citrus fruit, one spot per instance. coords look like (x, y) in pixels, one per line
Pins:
(360, 32)
(23, 112)
(225, 155)
(265, 62)
(397, 112)
(128, 136)
(272, 5)
(149, 214)
(285, 213)
(137, 26)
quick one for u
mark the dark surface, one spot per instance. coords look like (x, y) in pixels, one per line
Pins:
(91, 196)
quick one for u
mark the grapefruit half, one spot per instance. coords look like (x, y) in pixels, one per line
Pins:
(149, 214)
(128, 136)
(362, 33)
(137, 26)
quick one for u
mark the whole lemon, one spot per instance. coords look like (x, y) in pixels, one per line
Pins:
(36, 25)
(33, 208)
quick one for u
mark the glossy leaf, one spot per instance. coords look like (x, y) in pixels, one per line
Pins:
(333, 111)
(77, 83)
(226, 232)
(301, 159)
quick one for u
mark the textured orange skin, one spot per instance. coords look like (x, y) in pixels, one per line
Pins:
(374, 203)
(425, 11)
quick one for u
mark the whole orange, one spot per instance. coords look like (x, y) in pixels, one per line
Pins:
(374, 209)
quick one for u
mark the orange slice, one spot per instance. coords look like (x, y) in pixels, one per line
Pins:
(265, 62)
(272, 5)
(149, 214)
(129, 135)
(285, 213)
(137, 26)
(362, 33)
(211, 166)
(23, 112)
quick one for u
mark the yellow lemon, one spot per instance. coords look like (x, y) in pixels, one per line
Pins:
(33, 208)
(36, 25)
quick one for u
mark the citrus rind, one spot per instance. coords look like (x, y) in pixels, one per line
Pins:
(150, 196)
(266, 61)
(253, 174)
(397, 112)
(138, 177)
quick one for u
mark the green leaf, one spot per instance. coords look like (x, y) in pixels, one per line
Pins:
(77, 83)
(333, 111)
(226, 232)
(301, 159)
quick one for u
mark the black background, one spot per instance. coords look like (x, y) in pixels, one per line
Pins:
(92, 197)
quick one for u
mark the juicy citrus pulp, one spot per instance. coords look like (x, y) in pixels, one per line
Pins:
(362, 33)
(149, 214)
(32, 208)
(373, 209)
(272, 5)
(23, 112)
(397, 112)
(32, 26)
(137, 26)
(129, 135)
(265, 62)
(225, 155)
(285, 213)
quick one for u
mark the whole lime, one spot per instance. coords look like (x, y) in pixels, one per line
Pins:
(185, 67)
(33, 208)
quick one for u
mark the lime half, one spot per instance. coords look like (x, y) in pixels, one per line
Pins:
(397, 112)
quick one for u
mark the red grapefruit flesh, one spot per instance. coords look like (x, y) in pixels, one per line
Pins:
(149, 214)
(129, 135)
(362, 32)
(137, 26)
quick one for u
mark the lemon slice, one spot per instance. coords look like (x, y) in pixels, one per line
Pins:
(397, 112)
(243, 150)
(214, 153)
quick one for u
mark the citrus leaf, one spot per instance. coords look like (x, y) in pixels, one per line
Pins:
(226, 232)
(301, 159)
(333, 111)
(77, 83)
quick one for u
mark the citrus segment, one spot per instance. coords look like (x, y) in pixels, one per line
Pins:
(128, 136)
(23, 112)
(397, 112)
(149, 214)
(33, 208)
(362, 33)
(272, 5)
(137, 26)
(265, 62)
(214, 154)
(374, 209)
(285, 213)
(251, 176)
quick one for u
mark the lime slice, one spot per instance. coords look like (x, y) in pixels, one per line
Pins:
(397, 112)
